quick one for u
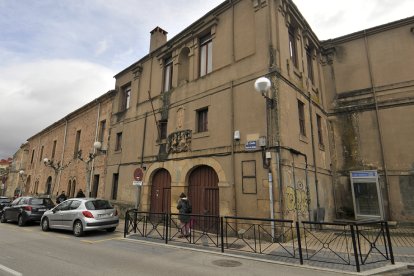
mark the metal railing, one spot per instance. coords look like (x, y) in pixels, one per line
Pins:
(350, 244)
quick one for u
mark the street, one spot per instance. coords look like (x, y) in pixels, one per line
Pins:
(29, 251)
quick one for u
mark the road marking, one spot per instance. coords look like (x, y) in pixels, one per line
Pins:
(9, 270)
(98, 241)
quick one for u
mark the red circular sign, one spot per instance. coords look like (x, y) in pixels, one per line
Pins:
(138, 174)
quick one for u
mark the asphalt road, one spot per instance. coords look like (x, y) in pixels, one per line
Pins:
(29, 251)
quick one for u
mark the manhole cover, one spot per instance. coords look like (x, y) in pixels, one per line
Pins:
(227, 263)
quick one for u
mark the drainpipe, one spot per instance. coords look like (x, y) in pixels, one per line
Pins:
(98, 117)
(63, 153)
(233, 164)
(313, 154)
(379, 126)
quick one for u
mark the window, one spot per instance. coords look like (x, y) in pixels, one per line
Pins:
(95, 185)
(114, 186)
(102, 127)
(163, 129)
(202, 120)
(320, 133)
(309, 62)
(54, 149)
(77, 144)
(125, 98)
(41, 153)
(206, 55)
(31, 160)
(168, 72)
(118, 142)
(301, 111)
(292, 47)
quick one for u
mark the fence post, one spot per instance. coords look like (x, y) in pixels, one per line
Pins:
(135, 220)
(354, 245)
(389, 242)
(222, 234)
(299, 242)
(166, 223)
(126, 223)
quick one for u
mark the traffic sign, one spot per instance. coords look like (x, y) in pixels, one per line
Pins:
(138, 174)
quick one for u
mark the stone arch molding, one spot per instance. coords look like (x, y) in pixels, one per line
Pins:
(186, 166)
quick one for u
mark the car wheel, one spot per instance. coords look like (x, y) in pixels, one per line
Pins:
(78, 228)
(20, 221)
(3, 218)
(112, 229)
(45, 224)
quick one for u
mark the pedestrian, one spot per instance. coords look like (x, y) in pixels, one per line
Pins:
(80, 193)
(184, 207)
(62, 197)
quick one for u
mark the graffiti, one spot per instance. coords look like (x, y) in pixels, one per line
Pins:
(302, 200)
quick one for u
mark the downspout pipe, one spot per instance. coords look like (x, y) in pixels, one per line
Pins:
(379, 126)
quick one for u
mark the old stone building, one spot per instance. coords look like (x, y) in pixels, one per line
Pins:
(370, 97)
(62, 157)
(189, 114)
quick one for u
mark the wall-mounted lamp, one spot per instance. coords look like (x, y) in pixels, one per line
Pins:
(263, 85)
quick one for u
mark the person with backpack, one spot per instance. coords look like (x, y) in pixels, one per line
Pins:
(184, 208)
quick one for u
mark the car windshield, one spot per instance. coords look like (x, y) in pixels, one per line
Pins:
(98, 205)
(41, 201)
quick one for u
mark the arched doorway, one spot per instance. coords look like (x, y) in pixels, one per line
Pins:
(69, 189)
(48, 185)
(27, 190)
(203, 191)
(72, 191)
(161, 192)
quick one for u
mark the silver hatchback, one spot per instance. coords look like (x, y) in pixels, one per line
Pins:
(80, 215)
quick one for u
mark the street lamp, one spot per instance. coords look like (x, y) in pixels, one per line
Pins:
(23, 178)
(57, 167)
(262, 85)
(88, 163)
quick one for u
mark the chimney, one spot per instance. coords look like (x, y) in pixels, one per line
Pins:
(158, 38)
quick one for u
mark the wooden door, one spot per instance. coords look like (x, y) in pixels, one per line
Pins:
(161, 192)
(203, 193)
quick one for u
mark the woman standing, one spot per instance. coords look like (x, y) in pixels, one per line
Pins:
(184, 208)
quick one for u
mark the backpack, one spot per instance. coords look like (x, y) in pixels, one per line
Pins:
(187, 207)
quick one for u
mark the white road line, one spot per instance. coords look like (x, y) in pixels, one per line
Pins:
(10, 271)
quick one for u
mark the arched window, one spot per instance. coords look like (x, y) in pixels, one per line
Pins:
(183, 67)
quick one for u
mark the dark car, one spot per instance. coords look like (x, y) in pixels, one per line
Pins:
(25, 209)
(4, 201)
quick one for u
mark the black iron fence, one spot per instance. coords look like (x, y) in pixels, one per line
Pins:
(349, 244)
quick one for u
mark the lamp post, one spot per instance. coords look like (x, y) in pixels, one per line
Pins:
(57, 167)
(262, 85)
(89, 163)
(23, 178)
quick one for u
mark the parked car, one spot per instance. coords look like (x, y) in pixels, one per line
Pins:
(80, 215)
(4, 201)
(25, 209)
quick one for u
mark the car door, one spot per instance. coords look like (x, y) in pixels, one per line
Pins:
(12, 212)
(70, 214)
(56, 217)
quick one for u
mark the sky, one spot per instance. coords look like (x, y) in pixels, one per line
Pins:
(58, 55)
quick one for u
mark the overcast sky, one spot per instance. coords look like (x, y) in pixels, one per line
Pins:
(56, 56)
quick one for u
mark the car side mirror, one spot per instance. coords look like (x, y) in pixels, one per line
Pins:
(54, 210)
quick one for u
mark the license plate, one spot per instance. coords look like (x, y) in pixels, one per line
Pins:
(42, 210)
(103, 215)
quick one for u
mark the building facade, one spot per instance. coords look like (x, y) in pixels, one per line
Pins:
(188, 113)
(62, 157)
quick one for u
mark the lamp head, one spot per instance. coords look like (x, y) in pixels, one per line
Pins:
(21, 172)
(97, 145)
(262, 85)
